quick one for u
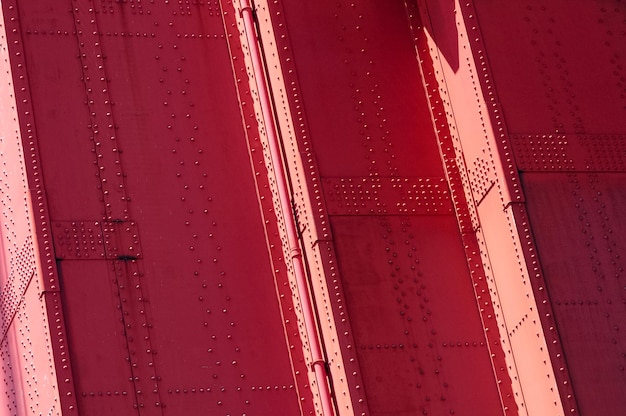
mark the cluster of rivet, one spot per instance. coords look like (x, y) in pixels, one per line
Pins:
(96, 240)
(20, 270)
(113, 6)
(561, 152)
(481, 178)
(591, 298)
(8, 388)
(387, 196)
(78, 240)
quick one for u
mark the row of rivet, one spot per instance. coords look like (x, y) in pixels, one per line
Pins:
(413, 288)
(467, 216)
(387, 196)
(560, 152)
(261, 164)
(58, 368)
(135, 317)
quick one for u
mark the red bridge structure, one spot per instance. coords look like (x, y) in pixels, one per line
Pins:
(332, 208)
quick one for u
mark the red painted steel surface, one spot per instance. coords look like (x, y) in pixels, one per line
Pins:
(283, 195)
(172, 299)
(457, 177)
(366, 136)
(562, 96)
(477, 154)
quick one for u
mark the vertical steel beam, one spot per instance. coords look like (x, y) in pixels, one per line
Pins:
(318, 363)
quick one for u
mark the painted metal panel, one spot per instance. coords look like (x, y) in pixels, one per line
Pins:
(561, 94)
(174, 299)
(567, 65)
(35, 387)
(577, 219)
(419, 337)
(364, 129)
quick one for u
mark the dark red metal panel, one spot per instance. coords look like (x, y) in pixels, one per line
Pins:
(420, 339)
(577, 221)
